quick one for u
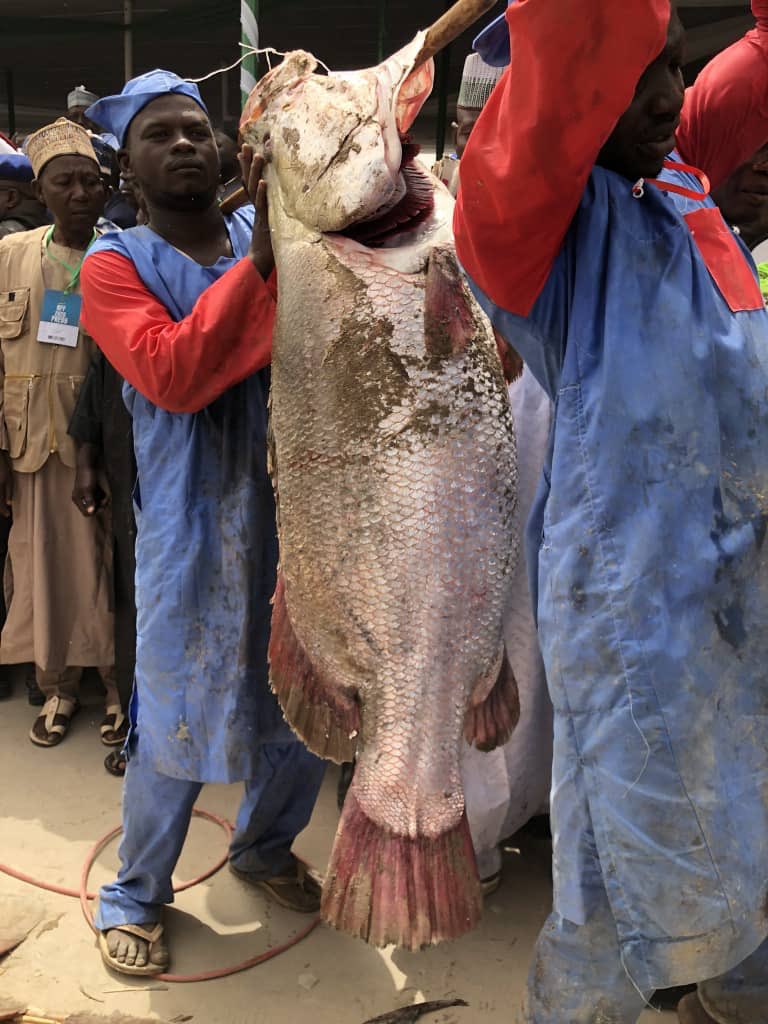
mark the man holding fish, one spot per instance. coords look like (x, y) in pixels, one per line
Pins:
(183, 308)
(589, 235)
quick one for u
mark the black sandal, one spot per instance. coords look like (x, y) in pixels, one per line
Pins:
(115, 763)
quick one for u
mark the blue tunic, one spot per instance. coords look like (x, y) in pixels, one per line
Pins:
(206, 550)
(646, 546)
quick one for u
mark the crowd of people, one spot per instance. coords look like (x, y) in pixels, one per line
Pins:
(138, 531)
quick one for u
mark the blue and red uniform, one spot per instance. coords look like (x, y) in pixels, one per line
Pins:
(194, 346)
(640, 314)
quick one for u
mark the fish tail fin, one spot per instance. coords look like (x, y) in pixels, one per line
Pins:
(387, 888)
(324, 717)
(493, 715)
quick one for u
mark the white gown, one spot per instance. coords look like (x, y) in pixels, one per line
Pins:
(508, 786)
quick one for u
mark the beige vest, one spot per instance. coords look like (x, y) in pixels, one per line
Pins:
(40, 382)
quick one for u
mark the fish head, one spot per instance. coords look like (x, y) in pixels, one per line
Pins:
(334, 141)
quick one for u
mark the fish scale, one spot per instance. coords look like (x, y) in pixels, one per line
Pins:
(395, 472)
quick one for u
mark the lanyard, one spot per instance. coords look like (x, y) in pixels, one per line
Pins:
(74, 270)
(668, 186)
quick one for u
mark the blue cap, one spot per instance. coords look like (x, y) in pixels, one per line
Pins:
(15, 167)
(493, 42)
(115, 113)
(105, 154)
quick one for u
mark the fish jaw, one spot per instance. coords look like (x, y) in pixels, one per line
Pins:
(334, 140)
(408, 251)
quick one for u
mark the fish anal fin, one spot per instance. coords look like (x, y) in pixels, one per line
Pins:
(387, 888)
(449, 320)
(325, 717)
(493, 714)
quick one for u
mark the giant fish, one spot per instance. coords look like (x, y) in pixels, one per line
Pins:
(394, 468)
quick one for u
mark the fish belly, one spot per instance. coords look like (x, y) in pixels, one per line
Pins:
(395, 476)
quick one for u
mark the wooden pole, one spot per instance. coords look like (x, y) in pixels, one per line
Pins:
(28, 1018)
(456, 20)
(10, 101)
(443, 74)
(128, 39)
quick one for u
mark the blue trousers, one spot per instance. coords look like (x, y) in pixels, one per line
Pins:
(157, 810)
(577, 976)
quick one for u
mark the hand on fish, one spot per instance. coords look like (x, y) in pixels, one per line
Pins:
(260, 252)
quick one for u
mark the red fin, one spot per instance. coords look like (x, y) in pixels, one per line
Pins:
(449, 320)
(491, 718)
(386, 888)
(326, 718)
(511, 363)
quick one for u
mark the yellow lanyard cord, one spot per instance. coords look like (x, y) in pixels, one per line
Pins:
(73, 270)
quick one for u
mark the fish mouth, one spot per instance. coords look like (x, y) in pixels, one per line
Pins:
(414, 202)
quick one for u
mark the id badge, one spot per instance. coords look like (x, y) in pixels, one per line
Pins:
(60, 319)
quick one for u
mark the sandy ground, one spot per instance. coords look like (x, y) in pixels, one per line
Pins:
(55, 803)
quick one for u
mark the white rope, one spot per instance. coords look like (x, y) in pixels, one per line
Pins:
(250, 51)
(266, 51)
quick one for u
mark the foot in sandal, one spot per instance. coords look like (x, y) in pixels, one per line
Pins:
(296, 889)
(115, 763)
(135, 949)
(114, 726)
(53, 722)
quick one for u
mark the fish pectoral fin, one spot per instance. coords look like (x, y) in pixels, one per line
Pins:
(492, 716)
(449, 319)
(324, 716)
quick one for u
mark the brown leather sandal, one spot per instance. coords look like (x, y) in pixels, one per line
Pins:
(298, 890)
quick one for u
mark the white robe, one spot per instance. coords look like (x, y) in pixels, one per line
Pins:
(508, 786)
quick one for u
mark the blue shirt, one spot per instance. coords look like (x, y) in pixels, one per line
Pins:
(646, 549)
(206, 550)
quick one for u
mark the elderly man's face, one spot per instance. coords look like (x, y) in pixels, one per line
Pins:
(72, 189)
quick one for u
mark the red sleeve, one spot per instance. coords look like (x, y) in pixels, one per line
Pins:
(574, 71)
(725, 117)
(179, 366)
